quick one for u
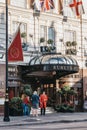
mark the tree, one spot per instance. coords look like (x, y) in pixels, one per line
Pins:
(27, 89)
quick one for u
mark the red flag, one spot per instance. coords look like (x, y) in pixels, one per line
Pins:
(77, 7)
(15, 52)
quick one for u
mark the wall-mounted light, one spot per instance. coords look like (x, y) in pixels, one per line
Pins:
(54, 73)
(31, 35)
(85, 38)
(61, 39)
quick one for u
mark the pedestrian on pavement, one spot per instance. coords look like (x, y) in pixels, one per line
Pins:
(35, 103)
(43, 103)
(26, 105)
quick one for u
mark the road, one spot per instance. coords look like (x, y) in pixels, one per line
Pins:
(52, 126)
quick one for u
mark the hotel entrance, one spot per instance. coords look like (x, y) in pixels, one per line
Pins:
(44, 73)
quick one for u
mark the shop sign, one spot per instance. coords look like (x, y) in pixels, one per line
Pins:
(60, 67)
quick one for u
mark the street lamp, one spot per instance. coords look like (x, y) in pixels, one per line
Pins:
(6, 103)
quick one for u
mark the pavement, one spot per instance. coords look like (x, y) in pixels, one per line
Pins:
(48, 118)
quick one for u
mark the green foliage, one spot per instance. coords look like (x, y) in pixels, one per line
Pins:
(15, 107)
(50, 41)
(66, 103)
(42, 39)
(74, 43)
(64, 108)
(66, 88)
(71, 51)
(27, 89)
(23, 34)
(68, 43)
(60, 92)
(16, 103)
(72, 92)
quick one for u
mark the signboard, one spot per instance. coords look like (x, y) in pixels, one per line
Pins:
(61, 67)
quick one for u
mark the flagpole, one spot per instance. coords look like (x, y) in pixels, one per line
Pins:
(6, 103)
(82, 62)
(34, 31)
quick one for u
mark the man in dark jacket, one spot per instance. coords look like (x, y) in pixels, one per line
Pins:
(35, 103)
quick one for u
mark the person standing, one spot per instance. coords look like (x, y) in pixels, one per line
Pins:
(26, 104)
(35, 103)
(43, 103)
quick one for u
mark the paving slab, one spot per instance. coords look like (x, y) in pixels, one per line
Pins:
(48, 118)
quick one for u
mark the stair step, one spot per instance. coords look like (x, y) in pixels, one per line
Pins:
(48, 110)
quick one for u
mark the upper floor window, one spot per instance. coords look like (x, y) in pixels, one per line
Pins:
(19, 3)
(70, 40)
(23, 30)
(43, 32)
(65, 2)
(3, 1)
(69, 35)
(16, 24)
(51, 33)
(2, 18)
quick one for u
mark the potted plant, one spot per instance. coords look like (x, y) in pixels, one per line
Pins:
(15, 107)
(74, 43)
(24, 44)
(71, 109)
(66, 104)
(51, 47)
(42, 39)
(23, 34)
(68, 43)
(71, 51)
(50, 41)
(43, 46)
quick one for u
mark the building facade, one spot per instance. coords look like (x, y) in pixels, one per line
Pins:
(67, 33)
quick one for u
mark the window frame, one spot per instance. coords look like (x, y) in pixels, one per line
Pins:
(16, 3)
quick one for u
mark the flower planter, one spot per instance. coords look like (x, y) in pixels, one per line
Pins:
(14, 112)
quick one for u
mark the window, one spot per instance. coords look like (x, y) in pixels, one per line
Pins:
(19, 3)
(69, 35)
(69, 38)
(15, 26)
(86, 62)
(51, 33)
(23, 27)
(3, 1)
(43, 31)
(2, 20)
(2, 29)
(65, 2)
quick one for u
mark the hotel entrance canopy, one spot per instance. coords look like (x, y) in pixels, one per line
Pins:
(50, 65)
